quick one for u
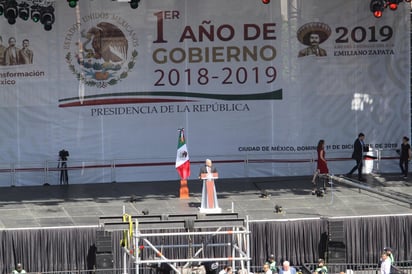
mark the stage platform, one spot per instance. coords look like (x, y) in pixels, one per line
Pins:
(254, 198)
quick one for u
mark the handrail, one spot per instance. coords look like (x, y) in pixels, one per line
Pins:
(113, 165)
(400, 267)
(50, 166)
(370, 189)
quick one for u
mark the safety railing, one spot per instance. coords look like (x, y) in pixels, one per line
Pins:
(250, 165)
(359, 268)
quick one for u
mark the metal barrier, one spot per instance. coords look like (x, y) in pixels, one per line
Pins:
(400, 268)
(119, 170)
(253, 165)
(381, 192)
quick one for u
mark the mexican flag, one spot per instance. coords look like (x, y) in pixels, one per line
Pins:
(182, 157)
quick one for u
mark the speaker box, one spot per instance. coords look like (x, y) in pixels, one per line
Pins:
(103, 242)
(336, 233)
(104, 261)
(336, 252)
(336, 256)
(336, 245)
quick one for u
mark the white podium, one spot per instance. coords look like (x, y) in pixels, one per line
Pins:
(209, 198)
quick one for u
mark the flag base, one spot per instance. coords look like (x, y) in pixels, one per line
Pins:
(184, 190)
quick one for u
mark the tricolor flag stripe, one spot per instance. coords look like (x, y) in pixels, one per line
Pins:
(182, 157)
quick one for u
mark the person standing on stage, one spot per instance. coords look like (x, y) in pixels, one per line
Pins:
(209, 196)
(207, 168)
(405, 156)
(62, 165)
(322, 166)
(359, 148)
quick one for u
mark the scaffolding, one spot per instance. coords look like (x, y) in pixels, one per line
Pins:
(183, 243)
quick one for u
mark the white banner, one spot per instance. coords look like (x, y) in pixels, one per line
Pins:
(110, 82)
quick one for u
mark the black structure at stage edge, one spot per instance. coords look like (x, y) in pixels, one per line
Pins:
(336, 248)
(104, 256)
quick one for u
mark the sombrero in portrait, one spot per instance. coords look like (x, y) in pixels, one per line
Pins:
(307, 29)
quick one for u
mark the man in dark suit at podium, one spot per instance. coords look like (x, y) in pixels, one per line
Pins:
(207, 168)
(208, 174)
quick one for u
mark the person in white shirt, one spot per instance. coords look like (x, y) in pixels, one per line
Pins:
(19, 269)
(385, 264)
(272, 263)
(389, 253)
(266, 269)
(226, 270)
(287, 269)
